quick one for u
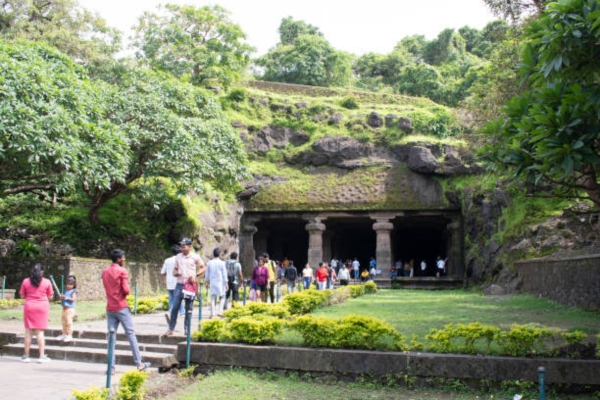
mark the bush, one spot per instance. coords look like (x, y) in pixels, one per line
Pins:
(350, 103)
(279, 310)
(93, 393)
(6, 304)
(131, 385)
(370, 287)
(357, 290)
(574, 337)
(144, 306)
(212, 330)
(306, 301)
(522, 340)
(163, 302)
(237, 95)
(315, 331)
(257, 329)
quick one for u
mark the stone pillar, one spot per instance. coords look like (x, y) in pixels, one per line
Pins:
(247, 253)
(455, 267)
(383, 252)
(315, 243)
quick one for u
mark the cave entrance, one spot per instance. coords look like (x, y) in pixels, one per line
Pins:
(283, 237)
(349, 238)
(419, 239)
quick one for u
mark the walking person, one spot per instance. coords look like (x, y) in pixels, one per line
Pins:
(291, 276)
(216, 280)
(68, 299)
(116, 285)
(167, 270)
(234, 280)
(344, 276)
(322, 276)
(188, 267)
(272, 268)
(37, 292)
(355, 268)
(260, 279)
(441, 267)
(307, 276)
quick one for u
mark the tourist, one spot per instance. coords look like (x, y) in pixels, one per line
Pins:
(322, 276)
(406, 268)
(441, 267)
(307, 276)
(286, 262)
(188, 267)
(334, 264)
(423, 268)
(272, 268)
(331, 278)
(37, 292)
(116, 285)
(364, 276)
(68, 299)
(291, 276)
(394, 270)
(355, 267)
(167, 270)
(344, 276)
(260, 278)
(372, 268)
(216, 280)
(234, 279)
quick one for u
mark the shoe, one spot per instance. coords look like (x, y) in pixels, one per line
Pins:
(143, 366)
(61, 337)
(25, 359)
(169, 333)
(43, 359)
(68, 339)
(168, 318)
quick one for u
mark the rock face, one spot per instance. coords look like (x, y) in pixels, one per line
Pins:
(276, 137)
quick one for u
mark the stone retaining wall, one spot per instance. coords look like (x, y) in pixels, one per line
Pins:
(558, 371)
(574, 281)
(88, 272)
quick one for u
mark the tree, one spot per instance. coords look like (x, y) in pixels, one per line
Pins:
(551, 133)
(63, 24)
(175, 131)
(289, 30)
(516, 9)
(198, 44)
(53, 129)
(310, 60)
(448, 46)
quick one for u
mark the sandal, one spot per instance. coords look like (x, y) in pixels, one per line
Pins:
(143, 366)
(169, 333)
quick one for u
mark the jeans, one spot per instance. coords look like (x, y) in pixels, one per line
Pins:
(189, 306)
(124, 317)
(291, 286)
(171, 297)
(306, 281)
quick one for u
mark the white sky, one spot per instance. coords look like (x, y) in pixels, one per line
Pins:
(355, 26)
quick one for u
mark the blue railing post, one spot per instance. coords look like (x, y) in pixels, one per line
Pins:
(200, 301)
(135, 298)
(189, 336)
(244, 298)
(111, 349)
(542, 382)
(62, 283)
(3, 285)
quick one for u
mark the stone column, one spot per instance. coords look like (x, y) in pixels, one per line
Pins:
(455, 265)
(315, 243)
(247, 253)
(383, 252)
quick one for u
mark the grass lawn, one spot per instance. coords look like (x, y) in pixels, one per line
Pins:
(418, 311)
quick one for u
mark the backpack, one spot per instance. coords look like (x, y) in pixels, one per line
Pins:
(230, 266)
(291, 273)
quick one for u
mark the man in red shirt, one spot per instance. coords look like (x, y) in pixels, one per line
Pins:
(116, 284)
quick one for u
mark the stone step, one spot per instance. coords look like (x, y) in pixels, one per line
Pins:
(102, 344)
(101, 335)
(93, 355)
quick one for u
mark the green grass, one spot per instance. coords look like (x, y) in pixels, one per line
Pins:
(418, 311)
(244, 385)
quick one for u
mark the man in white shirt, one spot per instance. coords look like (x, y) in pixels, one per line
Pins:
(216, 279)
(355, 268)
(167, 270)
(441, 267)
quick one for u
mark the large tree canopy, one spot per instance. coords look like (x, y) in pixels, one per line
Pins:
(200, 44)
(551, 133)
(53, 129)
(73, 30)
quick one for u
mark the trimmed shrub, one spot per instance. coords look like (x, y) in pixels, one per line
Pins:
(6, 304)
(93, 393)
(144, 306)
(306, 301)
(370, 287)
(131, 385)
(256, 329)
(360, 332)
(315, 331)
(357, 291)
(212, 330)
(522, 340)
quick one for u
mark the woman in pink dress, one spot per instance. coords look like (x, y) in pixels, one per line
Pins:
(37, 292)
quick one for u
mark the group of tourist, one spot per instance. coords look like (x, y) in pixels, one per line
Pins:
(407, 269)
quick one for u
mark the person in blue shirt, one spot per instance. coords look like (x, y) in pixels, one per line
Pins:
(68, 308)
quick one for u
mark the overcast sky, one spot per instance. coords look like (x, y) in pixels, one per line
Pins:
(355, 26)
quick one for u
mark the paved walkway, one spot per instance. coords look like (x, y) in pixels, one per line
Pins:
(57, 379)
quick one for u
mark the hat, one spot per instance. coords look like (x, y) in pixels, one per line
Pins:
(185, 242)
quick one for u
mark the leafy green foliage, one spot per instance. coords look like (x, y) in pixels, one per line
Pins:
(350, 103)
(306, 301)
(522, 340)
(93, 393)
(199, 44)
(574, 337)
(370, 287)
(357, 290)
(257, 329)
(305, 57)
(6, 303)
(131, 385)
(212, 330)
(550, 134)
(144, 305)
(27, 249)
